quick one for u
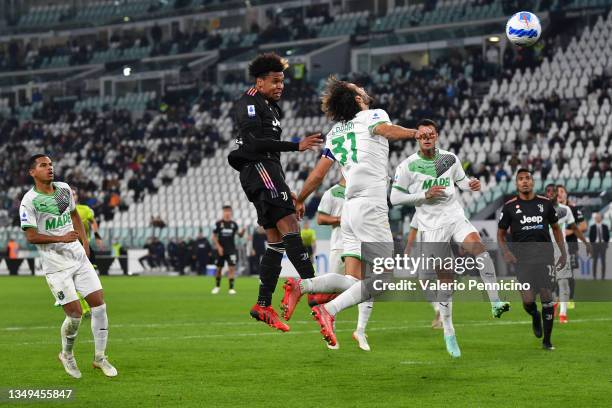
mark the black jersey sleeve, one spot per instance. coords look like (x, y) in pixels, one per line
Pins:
(265, 145)
(577, 213)
(249, 120)
(217, 229)
(505, 219)
(551, 213)
(246, 116)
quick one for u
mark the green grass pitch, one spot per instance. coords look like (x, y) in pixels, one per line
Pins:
(177, 345)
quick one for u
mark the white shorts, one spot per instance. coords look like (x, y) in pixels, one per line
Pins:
(64, 285)
(335, 262)
(566, 272)
(451, 232)
(437, 243)
(365, 220)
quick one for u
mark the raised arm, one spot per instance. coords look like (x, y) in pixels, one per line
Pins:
(259, 139)
(268, 145)
(314, 180)
(394, 132)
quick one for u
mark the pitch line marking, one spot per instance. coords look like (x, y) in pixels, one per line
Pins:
(272, 333)
(241, 324)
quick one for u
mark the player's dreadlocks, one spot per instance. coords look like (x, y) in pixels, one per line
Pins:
(266, 63)
(338, 101)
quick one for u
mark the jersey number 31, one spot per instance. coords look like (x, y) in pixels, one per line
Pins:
(340, 152)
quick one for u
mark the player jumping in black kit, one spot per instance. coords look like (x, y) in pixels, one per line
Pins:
(224, 238)
(257, 118)
(529, 217)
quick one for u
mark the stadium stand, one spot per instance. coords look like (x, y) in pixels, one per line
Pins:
(160, 155)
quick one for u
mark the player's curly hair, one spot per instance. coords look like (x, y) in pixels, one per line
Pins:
(266, 63)
(338, 100)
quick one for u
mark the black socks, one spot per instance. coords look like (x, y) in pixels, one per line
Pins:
(548, 317)
(298, 255)
(269, 271)
(536, 322)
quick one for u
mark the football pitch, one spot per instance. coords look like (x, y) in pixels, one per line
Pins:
(177, 345)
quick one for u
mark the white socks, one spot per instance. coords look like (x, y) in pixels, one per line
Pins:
(99, 328)
(350, 297)
(328, 283)
(446, 314)
(564, 294)
(365, 310)
(335, 283)
(487, 274)
(69, 331)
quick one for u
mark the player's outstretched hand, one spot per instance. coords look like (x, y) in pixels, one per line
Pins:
(509, 257)
(311, 142)
(70, 237)
(299, 210)
(220, 251)
(474, 184)
(435, 192)
(424, 132)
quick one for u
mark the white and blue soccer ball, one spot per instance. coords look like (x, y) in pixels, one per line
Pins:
(523, 29)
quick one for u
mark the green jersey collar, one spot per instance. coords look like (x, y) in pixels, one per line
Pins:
(427, 158)
(50, 195)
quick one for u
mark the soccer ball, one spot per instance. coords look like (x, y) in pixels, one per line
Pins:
(523, 29)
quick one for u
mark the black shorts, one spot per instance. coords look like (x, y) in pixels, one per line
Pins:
(539, 275)
(264, 185)
(229, 257)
